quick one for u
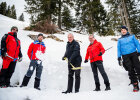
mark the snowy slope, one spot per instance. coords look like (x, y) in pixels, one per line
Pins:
(54, 76)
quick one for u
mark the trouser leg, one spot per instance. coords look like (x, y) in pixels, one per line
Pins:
(10, 72)
(70, 79)
(100, 66)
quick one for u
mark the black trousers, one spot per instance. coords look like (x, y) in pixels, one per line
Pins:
(98, 65)
(77, 78)
(6, 74)
(132, 65)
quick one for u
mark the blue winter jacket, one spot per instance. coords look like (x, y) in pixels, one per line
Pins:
(128, 44)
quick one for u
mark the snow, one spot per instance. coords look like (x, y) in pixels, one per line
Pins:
(54, 76)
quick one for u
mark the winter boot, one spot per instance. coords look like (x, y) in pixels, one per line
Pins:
(25, 81)
(136, 87)
(107, 86)
(37, 84)
(97, 87)
(67, 92)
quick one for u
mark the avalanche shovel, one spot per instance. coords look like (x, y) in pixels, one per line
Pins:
(73, 67)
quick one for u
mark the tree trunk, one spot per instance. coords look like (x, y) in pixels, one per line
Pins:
(59, 14)
(125, 15)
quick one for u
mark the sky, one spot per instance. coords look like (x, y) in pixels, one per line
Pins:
(19, 5)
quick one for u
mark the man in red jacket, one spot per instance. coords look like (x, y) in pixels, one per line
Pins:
(95, 51)
(35, 63)
(11, 52)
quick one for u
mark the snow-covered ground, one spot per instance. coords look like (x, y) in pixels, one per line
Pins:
(54, 76)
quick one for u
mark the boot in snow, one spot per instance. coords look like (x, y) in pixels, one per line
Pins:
(136, 87)
(97, 87)
(107, 86)
(37, 84)
(67, 92)
(25, 81)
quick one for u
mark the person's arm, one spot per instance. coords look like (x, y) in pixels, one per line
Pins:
(20, 53)
(75, 52)
(102, 50)
(136, 43)
(3, 45)
(87, 55)
(119, 49)
(30, 50)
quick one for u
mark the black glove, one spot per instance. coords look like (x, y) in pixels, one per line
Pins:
(85, 61)
(4, 54)
(63, 58)
(100, 54)
(20, 59)
(120, 61)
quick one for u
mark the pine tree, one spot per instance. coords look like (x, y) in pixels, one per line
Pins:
(3, 7)
(8, 12)
(119, 16)
(21, 17)
(67, 20)
(92, 17)
(13, 12)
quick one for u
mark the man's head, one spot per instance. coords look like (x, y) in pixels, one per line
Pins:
(70, 37)
(91, 38)
(124, 30)
(40, 37)
(14, 29)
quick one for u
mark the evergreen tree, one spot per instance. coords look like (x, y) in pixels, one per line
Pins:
(21, 17)
(8, 12)
(67, 20)
(92, 16)
(13, 12)
(3, 7)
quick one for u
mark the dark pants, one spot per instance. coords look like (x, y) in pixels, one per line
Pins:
(6, 74)
(35, 64)
(132, 65)
(77, 78)
(99, 65)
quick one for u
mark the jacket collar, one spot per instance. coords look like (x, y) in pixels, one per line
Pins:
(11, 33)
(95, 41)
(41, 43)
(127, 34)
(71, 42)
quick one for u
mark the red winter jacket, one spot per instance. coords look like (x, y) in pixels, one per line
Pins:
(11, 46)
(34, 47)
(93, 51)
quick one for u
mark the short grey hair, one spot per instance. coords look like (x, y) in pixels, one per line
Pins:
(71, 34)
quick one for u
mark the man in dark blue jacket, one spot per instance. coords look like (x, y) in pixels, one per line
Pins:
(129, 51)
(74, 57)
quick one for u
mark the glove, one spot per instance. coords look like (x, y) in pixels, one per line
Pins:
(20, 59)
(4, 54)
(100, 54)
(85, 61)
(120, 61)
(63, 58)
(138, 54)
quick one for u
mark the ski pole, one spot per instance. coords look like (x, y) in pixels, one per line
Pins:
(105, 50)
(73, 67)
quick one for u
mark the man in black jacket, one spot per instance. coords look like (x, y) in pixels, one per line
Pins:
(74, 57)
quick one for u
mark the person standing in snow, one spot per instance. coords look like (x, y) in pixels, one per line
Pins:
(35, 63)
(74, 57)
(129, 51)
(95, 51)
(10, 52)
